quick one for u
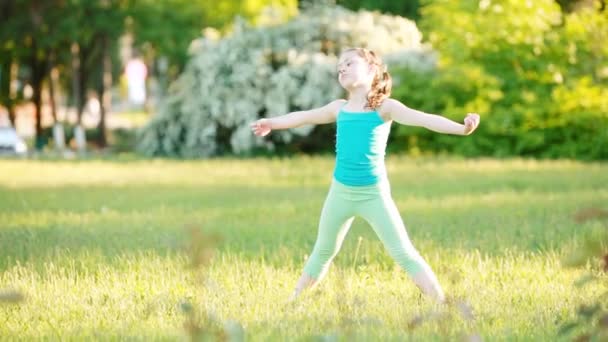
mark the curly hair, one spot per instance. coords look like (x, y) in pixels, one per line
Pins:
(382, 82)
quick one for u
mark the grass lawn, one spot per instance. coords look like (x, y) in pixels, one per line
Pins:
(98, 249)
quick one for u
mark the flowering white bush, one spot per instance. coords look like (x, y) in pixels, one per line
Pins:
(269, 71)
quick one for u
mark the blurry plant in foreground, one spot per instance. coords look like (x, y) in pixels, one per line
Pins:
(591, 322)
(203, 325)
(11, 297)
(445, 315)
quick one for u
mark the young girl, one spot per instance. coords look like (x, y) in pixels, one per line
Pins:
(360, 185)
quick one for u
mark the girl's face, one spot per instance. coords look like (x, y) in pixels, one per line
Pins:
(354, 71)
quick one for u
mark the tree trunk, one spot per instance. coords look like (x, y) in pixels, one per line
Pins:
(77, 93)
(58, 132)
(105, 92)
(12, 116)
(6, 98)
(76, 90)
(87, 63)
(37, 98)
(12, 93)
(52, 79)
(82, 85)
(38, 73)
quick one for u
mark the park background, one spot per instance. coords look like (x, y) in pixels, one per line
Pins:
(110, 234)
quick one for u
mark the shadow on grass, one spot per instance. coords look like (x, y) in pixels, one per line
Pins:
(270, 223)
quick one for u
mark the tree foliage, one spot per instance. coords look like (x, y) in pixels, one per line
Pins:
(409, 9)
(537, 76)
(166, 28)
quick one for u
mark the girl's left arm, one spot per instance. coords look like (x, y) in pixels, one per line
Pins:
(404, 115)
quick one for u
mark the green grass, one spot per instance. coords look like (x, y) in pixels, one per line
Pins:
(97, 248)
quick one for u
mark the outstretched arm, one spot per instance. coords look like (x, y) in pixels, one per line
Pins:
(321, 115)
(404, 115)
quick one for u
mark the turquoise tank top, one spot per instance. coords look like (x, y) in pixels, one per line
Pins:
(360, 148)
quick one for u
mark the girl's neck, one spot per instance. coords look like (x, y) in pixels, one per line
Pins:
(357, 98)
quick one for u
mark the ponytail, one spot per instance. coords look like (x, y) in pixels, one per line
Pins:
(381, 89)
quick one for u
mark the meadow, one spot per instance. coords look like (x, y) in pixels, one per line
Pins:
(104, 249)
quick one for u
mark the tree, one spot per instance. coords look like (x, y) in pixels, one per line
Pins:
(29, 38)
(183, 21)
(408, 8)
(39, 36)
(537, 76)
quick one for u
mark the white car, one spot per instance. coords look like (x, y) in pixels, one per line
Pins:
(11, 144)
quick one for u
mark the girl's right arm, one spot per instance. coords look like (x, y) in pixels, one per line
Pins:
(321, 115)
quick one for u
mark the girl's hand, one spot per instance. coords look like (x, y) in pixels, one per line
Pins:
(471, 121)
(261, 127)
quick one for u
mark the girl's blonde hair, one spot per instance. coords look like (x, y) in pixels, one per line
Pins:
(382, 83)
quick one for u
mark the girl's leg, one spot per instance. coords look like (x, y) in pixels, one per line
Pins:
(336, 219)
(382, 214)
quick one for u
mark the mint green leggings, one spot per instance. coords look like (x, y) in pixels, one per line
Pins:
(375, 205)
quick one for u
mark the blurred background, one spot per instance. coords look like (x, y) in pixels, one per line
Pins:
(184, 78)
(109, 224)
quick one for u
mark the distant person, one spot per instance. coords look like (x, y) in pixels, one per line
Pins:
(136, 73)
(360, 185)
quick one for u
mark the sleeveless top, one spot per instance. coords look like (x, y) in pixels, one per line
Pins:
(360, 148)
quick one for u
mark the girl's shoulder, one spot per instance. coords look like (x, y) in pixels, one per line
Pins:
(336, 105)
(340, 102)
(387, 107)
(333, 108)
(387, 104)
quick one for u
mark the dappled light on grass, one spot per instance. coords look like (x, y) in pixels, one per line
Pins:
(281, 172)
(99, 249)
(146, 293)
